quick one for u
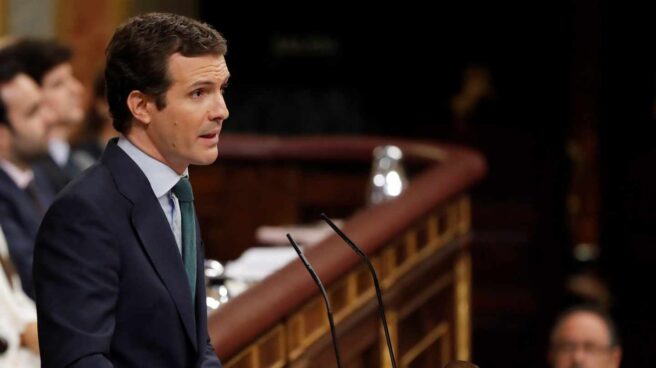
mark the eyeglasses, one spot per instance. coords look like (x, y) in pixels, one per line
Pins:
(589, 348)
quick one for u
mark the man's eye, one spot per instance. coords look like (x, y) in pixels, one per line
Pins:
(197, 93)
(56, 84)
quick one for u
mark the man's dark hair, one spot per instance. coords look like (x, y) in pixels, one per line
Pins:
(138, 54)
(37, 57)
(592, 309)
(8, 71)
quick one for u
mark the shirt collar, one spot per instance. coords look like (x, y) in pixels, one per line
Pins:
(59, 150)
(21, 177)
(161, 177)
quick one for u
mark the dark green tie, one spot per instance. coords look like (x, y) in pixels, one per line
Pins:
(185, 196)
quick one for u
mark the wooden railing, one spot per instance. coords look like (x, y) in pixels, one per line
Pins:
(418, 243)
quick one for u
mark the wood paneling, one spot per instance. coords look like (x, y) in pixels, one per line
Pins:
(418, 244)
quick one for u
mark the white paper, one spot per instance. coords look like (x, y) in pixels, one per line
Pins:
(257, 263)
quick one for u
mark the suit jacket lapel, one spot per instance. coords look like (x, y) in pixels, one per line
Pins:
(54, 175)
(200, 302)
(28, 215)
(44, 190)
(153, 232)
(159, 244)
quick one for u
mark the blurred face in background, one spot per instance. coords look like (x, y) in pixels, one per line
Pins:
(30, 119)
(582, 340)
(64, 93)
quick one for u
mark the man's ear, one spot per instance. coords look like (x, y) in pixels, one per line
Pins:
(138, 104)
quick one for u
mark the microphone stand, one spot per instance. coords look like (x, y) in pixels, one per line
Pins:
(381, 307)
(316, 279)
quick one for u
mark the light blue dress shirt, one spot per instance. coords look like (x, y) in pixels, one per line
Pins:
(59, 150)
(162, 179)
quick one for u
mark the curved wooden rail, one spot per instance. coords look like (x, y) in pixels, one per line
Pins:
(448, 172)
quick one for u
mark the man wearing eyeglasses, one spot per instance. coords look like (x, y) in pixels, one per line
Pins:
(585, 337)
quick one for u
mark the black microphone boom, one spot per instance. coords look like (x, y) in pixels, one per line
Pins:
(381, 307)
(316, 279)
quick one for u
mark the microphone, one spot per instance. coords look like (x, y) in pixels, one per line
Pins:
(381, 307)
(316, 279)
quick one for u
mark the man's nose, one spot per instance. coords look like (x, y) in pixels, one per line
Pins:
(49, 115)
(77, 86)
(579, 359)
(220, 109)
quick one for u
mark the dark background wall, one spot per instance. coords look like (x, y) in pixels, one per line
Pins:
(628, 157)
(561, 72)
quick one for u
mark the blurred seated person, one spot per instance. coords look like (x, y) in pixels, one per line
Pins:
(48, 63)
(18, 328)
(98, 128)
(585, 336)
(24, 193)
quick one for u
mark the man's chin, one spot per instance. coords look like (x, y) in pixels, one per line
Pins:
(206, 159)
(73, 119)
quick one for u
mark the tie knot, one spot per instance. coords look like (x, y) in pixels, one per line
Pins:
(183, 191)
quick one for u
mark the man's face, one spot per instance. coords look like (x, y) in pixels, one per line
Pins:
(63, 92)
(29, 116)
(186, 131)
(583, 341)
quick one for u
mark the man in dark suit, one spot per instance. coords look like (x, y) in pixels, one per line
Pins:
(118, 263)
(24, 195)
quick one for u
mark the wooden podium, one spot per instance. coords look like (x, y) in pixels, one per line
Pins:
(418, 243)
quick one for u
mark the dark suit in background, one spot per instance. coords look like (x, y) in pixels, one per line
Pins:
(21, 211)
(110, 279)
(56, 176)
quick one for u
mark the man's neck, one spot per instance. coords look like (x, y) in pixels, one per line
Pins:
(140, 140)
(59, 131)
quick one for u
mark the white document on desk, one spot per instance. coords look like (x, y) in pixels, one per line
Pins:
(257, 263)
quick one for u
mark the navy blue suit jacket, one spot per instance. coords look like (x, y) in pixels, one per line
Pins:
(20, 219)
(110, 282)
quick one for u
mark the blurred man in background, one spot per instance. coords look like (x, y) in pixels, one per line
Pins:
(585, 337)
(48, 62)
(25, 195)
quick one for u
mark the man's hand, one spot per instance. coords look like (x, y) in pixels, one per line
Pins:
(30, 337)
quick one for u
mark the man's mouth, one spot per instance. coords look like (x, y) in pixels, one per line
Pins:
(211, 137)
(211, 134)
